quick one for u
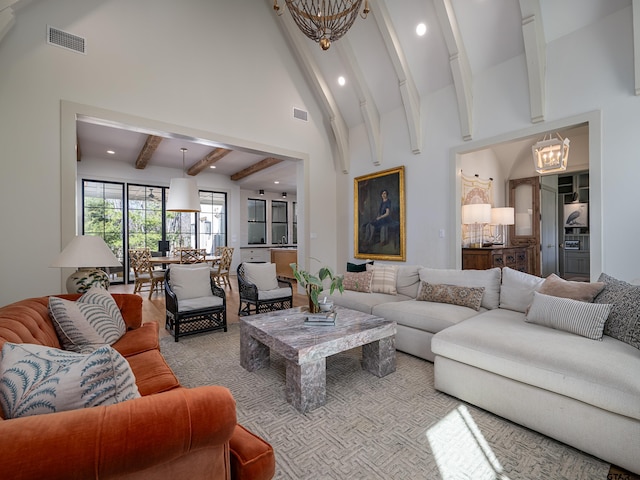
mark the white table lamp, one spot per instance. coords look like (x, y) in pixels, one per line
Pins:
(86, 252)
(477, 215)
(501, 217)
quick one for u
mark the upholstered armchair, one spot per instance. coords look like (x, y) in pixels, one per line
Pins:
(261, 289)
(193, 301)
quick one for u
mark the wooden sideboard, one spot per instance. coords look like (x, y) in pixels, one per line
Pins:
(518, 258)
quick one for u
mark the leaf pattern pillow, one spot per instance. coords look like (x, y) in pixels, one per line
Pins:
(88, 323)
(470, 297)
(35, 379)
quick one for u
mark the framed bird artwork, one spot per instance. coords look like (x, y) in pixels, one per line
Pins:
(576, 215)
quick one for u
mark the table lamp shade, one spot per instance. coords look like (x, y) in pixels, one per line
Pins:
(476, 213)
(86, 252)
(502, 216)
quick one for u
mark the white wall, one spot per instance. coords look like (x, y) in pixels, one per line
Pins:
(590, 70)
(184, 63)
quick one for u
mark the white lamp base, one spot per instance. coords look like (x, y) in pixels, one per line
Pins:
(84, 278)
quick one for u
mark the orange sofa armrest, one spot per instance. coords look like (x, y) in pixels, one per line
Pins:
(105, 442)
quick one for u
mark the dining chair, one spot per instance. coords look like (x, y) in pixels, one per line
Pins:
(193, 255)
(143, 271)
(220, 270)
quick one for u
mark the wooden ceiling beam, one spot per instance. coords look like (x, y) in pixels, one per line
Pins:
(208, 160)
(147, 151)
(255, 168)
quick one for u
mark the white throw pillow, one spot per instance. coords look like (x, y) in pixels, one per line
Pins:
(489, 279)
(517, 289)
(88, 323)
(262, 275)
(573, 316)
(35, 379)
(190, 281)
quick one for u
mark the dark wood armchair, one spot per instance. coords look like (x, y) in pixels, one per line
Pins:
(262, 300)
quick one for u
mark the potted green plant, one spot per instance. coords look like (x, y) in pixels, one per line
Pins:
(314, 284)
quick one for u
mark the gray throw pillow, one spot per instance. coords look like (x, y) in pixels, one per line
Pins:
(624, 320)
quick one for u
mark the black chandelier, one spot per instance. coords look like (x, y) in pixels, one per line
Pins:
(324, 21)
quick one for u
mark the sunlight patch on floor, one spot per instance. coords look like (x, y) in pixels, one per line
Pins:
(460, 449)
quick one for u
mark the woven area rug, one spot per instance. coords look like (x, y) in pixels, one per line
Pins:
(396, 427)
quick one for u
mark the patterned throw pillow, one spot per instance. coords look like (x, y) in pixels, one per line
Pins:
(35, 379)
(559, 287)
(357, 281)
(383, 279)
(573, 316)
(88, 323)
(453, 294)
(624, 320)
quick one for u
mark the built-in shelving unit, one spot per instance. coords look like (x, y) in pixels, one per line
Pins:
(573, 192)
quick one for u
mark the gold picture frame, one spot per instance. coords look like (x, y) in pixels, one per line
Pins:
(379, 219)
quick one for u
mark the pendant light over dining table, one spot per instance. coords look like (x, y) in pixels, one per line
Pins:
(183, 193)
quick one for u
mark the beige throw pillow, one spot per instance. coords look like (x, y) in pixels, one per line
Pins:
(357, 281)
(470, 297)
(190, 281)
(383, 279)
(582, 291)
(262, 275)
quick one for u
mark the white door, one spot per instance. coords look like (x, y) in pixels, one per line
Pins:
(549, 230)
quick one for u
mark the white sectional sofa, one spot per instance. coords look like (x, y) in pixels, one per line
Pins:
(578, 390)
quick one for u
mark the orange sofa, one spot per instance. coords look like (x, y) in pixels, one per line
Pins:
(170, 432)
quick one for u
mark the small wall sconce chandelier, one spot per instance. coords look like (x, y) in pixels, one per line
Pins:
(551, 155)
(261, 192)
(284, 194)
(326, 21)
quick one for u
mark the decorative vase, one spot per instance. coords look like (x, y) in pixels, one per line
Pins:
(313, 308)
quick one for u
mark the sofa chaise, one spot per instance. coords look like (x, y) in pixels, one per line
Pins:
(581, 391)
(167, 432)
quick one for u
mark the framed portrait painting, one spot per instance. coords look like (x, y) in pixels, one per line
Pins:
(379, 215)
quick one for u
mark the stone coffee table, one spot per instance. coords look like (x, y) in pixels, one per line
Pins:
(306, 348)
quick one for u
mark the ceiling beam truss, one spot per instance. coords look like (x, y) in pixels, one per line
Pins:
(208, 160)
(146, 152)
(408, 91)
(535, 53)
(255, 168)
(368, 105)
(459, 63)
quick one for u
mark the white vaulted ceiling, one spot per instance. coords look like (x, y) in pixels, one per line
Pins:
(387, 67)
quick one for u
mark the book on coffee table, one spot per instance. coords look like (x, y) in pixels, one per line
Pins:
(321, 318)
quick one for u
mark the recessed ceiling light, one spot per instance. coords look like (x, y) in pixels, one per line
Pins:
(341, 81)
(111, 152)
(276, 182)
(421, 29)
(212, 166)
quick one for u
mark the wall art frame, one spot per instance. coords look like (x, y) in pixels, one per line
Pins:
(379, 215)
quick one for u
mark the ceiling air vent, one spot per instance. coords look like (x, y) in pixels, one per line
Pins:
(65, 40)
(300, 114)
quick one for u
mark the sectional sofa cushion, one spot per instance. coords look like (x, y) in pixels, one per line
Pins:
(426, 316)
(575, 316)
(408, 280)
(464, 296)
(191, 281)
(517, 289)
(624, 320)
(88, 323)
(357, 281)
(489, 279)
(542, 357)
(559, 287)
(36, 379)
(383, 279)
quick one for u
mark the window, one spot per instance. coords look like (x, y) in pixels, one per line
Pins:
(213, 221)
(279, 230)
(295, 223)
(144, 216)
(257, 220)
(102, 216)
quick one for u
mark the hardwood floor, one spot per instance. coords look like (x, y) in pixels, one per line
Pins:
(153, 309)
